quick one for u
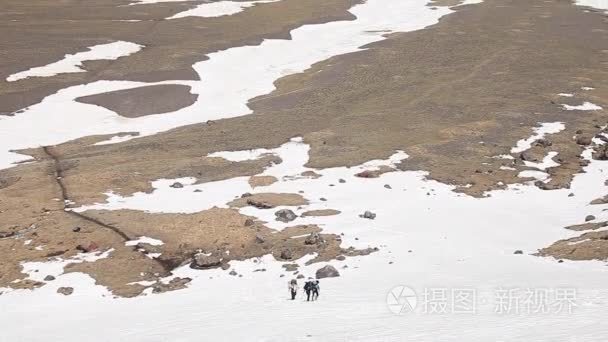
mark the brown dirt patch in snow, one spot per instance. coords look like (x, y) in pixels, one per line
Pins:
(142, 101)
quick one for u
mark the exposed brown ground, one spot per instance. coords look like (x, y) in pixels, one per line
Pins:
(54, 28)
(488, 73)
(142, 101)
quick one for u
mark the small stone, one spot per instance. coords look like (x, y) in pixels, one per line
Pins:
(233, 273)
(323, 199)
(286, 254)
(300, 276)
(560, 261)
(313, 239)
(519, 251)
(341, 180)
(571, 194)
(285, 215)
(589, 218)
(543, 143)
(6, 234)
(204, 261)
(76, 229)
(91, 247)
(390, 262)
(387, 186)
(198, 190)
(259, 238)
(247, 194)
(66, 291)
(368, 215)
(249, 222)
(340, 258)
(49, 278)
(260, 270)
(327, 272)
(177, 185)
(583, 140)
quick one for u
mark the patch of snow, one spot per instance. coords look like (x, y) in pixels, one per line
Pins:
(116, 139)
(538, 175)
(72, 63)
(599, 4)
(587, 88)
(219, 8)
(539, 133)
(584, 106)
(144, 239)
(565, 94)
(546, 163)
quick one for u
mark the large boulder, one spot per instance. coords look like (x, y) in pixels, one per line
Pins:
(204, 261)
(313, 239)
(285, 215)
(327, 272)
(66, 291)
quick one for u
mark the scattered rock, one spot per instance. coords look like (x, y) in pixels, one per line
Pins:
(327, 272)
(543, 142)
(259, 270)
(368, 174)
(259, 204)
(588, 226)
(233, 273)
(249, 222)
(310, 174)
(177, 185)
(368, 215)
(6, 234)
(571, 194)
(583, 140)
(286, 254)
(205, 261)
(247, 194)
(387, 186)
(91, 247)
(290, 267)
(340, 258)
(519, 251)
(601, 153)
(66, 291)
(285, 215)
(313, 239)
(323, 199)
(76, 229)
(259, 238)
(176, 283)
(49, 278)
(300, 276)
(601, 200)
(589, 218)
(341, 180)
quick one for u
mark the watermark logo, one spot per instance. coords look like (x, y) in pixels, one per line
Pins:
(501, 301)
(401, 300)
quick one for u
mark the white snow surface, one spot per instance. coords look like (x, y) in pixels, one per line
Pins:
(599, 4)
(72, 62)
(539, 133)
(144, 239)
(226, 83)
(456, 242)
(218, 9)
(585, 106)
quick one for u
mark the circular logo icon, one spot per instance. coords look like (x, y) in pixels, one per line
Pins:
(401, 299)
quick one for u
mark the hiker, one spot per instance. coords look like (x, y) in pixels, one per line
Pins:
(293, 288)
(315, 290)
(308, 289)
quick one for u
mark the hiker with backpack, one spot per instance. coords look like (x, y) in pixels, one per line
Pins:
(308, 289)
(315, 290)
(292, 286)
